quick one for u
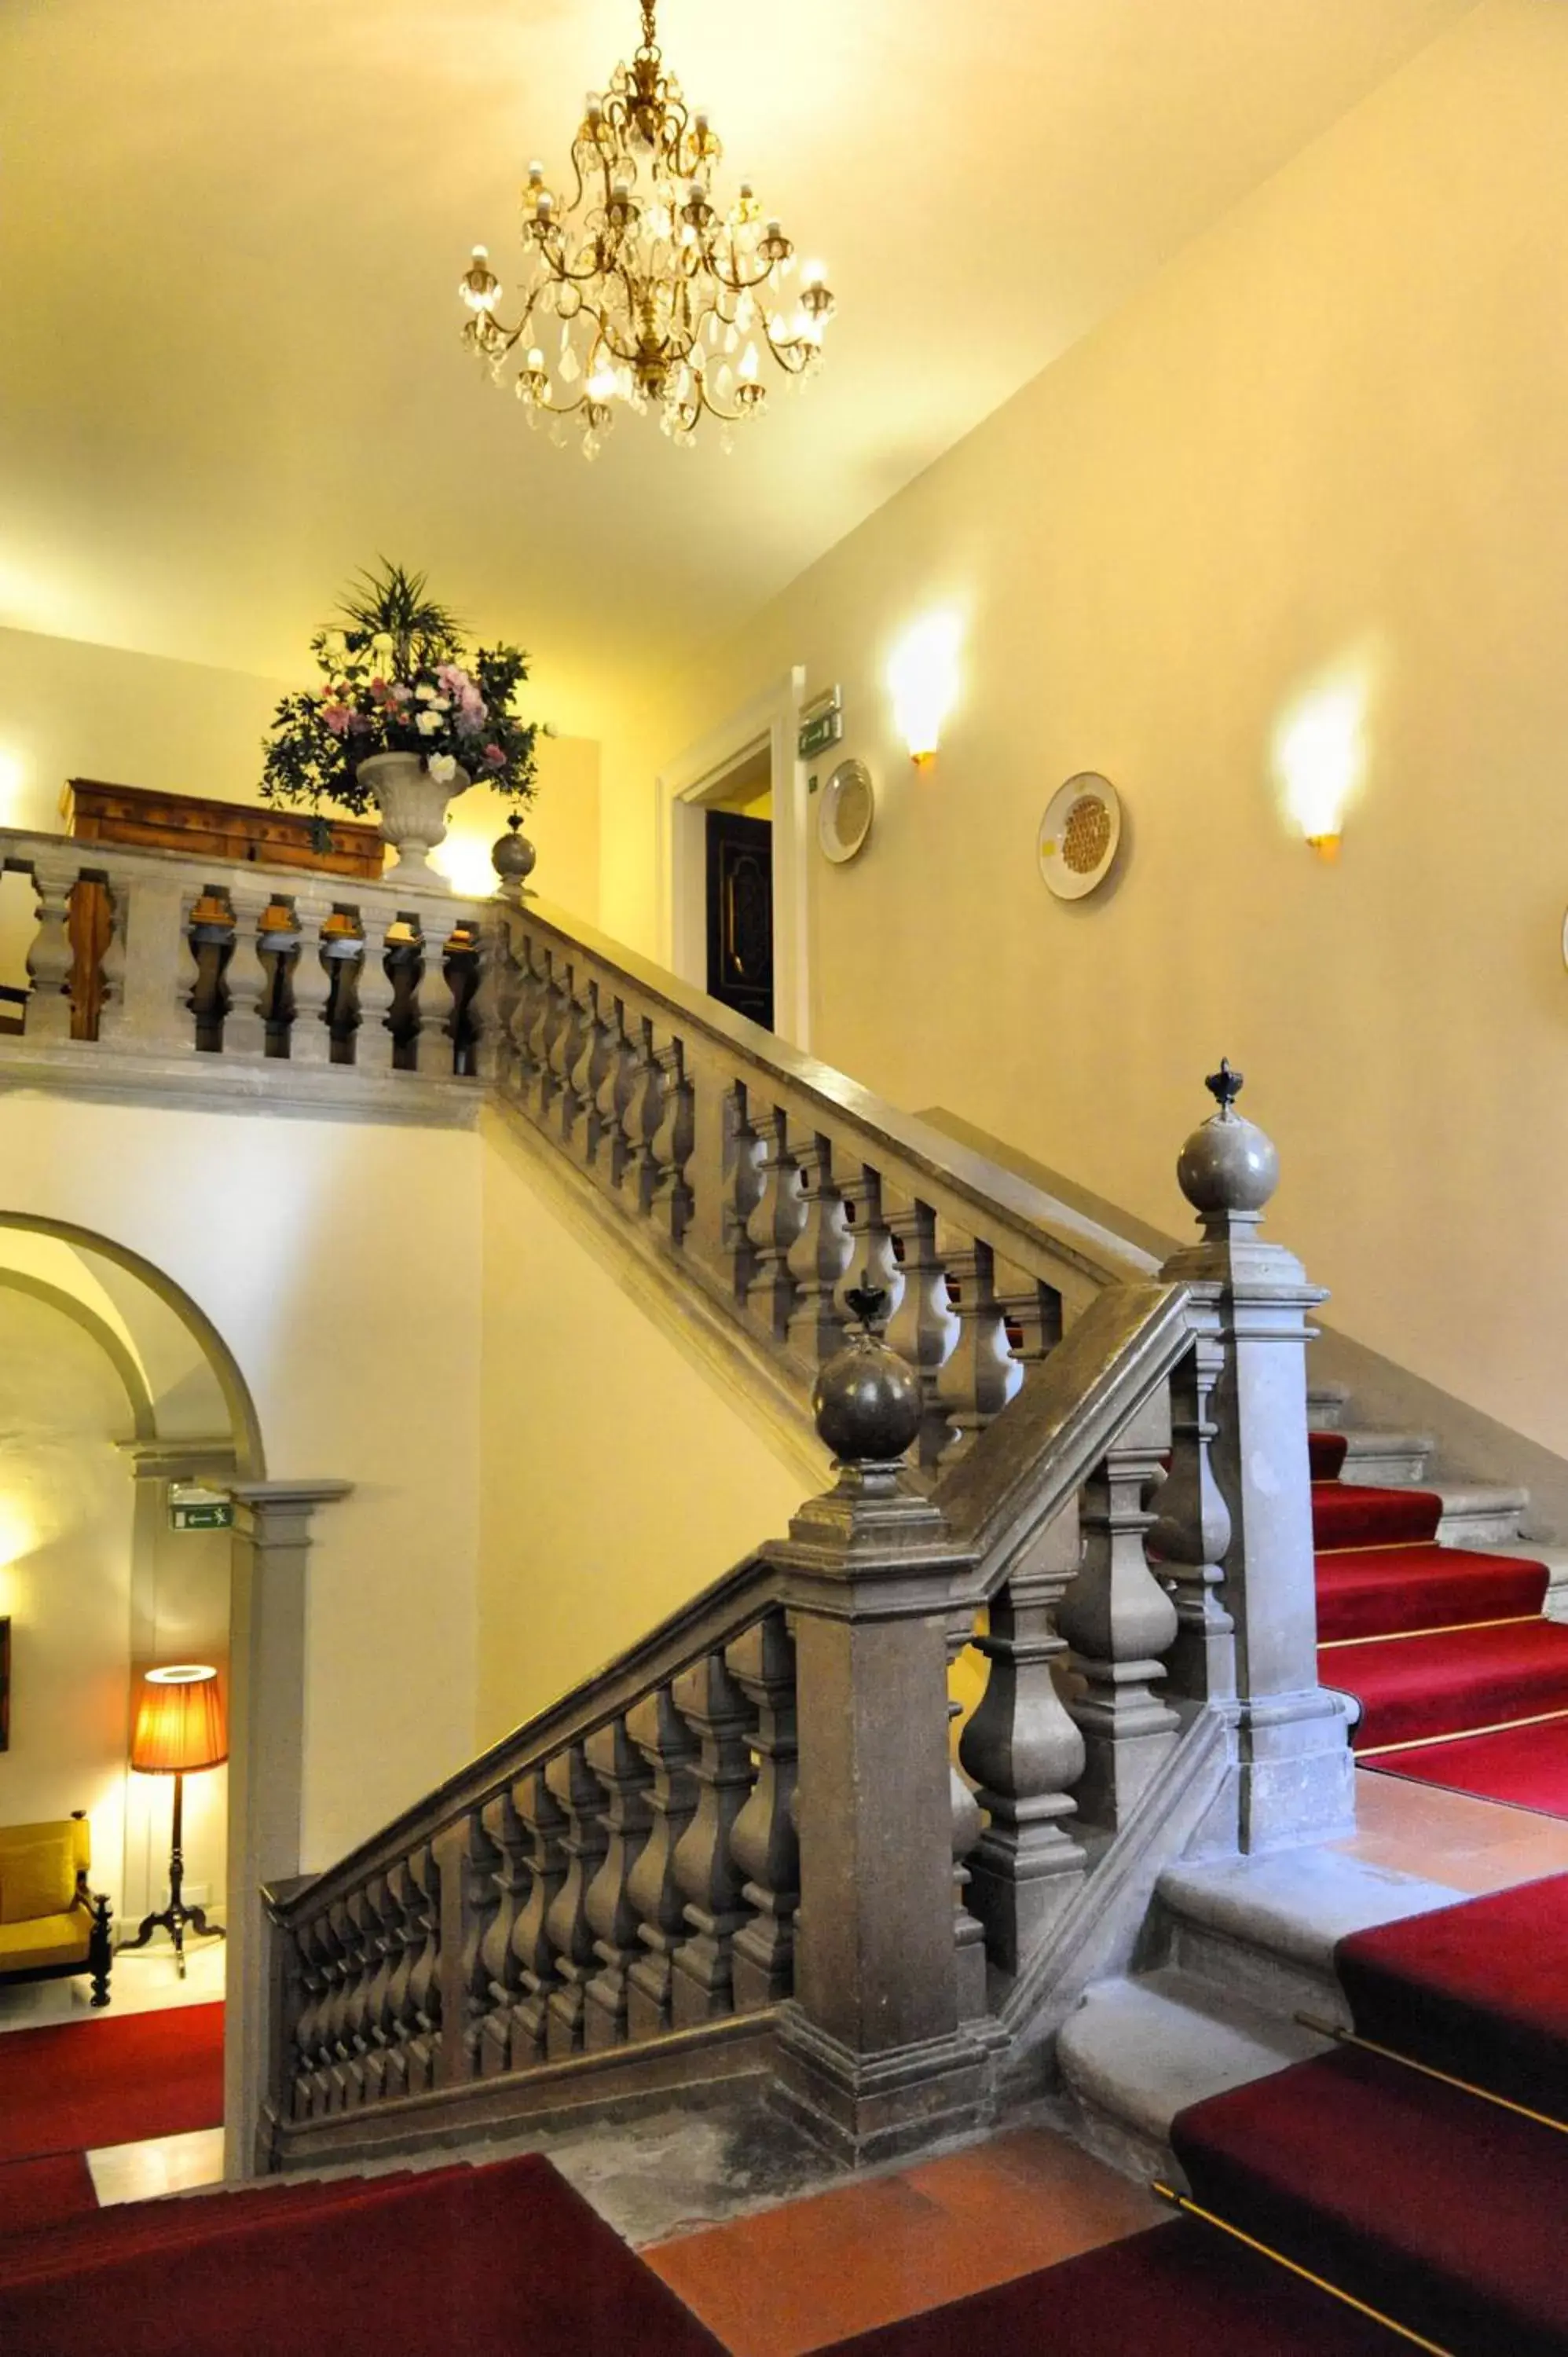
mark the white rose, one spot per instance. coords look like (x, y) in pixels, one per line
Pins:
(441, 767)
(426, 694)
(429, 724)
(382, 642)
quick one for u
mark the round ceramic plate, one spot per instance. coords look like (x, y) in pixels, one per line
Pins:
(1078, 835)
(844, 816)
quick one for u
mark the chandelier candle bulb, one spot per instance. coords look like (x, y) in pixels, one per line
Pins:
(642, 249)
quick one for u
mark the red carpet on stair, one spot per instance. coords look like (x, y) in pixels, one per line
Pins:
(35, 2193)
(1379, 1590)
(1325, 1453)
(1179, 2290)
(1454, 1684)
(1526, 1766)
(503, 2261)
(113, 2079)
(1479, 1990)
(1439, 2210)
(1345, 1516)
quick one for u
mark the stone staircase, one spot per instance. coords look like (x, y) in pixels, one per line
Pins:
(1234, 1951)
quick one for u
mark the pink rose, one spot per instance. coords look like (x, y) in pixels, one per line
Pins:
(494, 758)
(337, 716)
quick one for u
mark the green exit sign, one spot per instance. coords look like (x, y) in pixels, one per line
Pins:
(193, 1508)
(821, 725)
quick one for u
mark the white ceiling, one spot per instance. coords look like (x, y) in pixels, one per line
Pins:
(232, 231)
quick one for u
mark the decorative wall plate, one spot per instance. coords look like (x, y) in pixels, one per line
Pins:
(1079, 835)
(846, 811)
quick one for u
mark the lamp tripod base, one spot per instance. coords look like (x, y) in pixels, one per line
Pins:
(174, 1918)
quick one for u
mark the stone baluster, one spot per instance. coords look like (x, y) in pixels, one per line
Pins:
(114, 964)
(544, 1827)
(330, 2081)
(46, 1014)
(774, 1226)
(431, 1019)
(380, 1922)
(669, 1148)
(982, 1375)
(872, 2049)
(350, 2025)
(1032, 1313)
(612, 1914)
(585, 1840)
(373, 1044)
(763, 1843)
(315, 1985)
(499, 1979)
(614, 1100)
(595, 1056)
(968, 1931)
(745, 1180)
(820, 1258)
(923, 1326)
(245, 978)
(1026, 1754)
(528, 998)
(706, 1868)
(1294, 1777)
(403, 1943)
(873, 1264)
(670, 1748)
(1191, 1533)
(1119, 1622)
(552, 1011)
(467, 1859)
(309, 1039)
(424, 1978)
(565, 1052)
(644, 1116)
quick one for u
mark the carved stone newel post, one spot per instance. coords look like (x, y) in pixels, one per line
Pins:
(873, 2055)
(1295, 1775)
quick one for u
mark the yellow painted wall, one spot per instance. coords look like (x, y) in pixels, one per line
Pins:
(1328, 442)
(617, 1479)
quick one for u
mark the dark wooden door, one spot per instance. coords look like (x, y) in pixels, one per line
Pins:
(740, 914)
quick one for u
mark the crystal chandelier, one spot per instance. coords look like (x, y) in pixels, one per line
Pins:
(638, 288)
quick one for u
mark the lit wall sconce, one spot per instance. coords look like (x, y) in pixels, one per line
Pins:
(922, 677)
(1320, 758)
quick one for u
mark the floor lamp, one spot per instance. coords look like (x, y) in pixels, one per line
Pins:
(179, 1730)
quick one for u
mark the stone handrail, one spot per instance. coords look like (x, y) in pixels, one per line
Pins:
(777, 1183)
(145, 958)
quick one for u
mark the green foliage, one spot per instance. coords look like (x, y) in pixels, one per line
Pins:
(400, 680)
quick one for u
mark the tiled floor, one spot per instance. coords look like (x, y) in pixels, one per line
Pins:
(793, 2278)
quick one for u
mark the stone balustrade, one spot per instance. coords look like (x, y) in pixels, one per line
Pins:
(750, 1835)
(143, 959)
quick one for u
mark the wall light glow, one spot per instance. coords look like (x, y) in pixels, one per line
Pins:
(18, 1533)
(1320, 753)
(923, 678)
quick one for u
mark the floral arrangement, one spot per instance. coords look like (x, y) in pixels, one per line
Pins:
(400, 680)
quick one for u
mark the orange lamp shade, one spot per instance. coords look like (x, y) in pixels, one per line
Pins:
(180, 1722)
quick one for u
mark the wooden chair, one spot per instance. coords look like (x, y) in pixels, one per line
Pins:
(52, 1923)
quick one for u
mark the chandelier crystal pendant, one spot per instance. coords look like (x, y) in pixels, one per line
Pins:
(638, 288)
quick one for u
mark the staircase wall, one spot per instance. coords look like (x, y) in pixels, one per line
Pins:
(626, 1461)
(1323, 448)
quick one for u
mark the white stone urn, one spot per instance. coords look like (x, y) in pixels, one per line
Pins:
(413, 805)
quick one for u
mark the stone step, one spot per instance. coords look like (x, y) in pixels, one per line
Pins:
(1138, 2051)
(1480, 1513)
(1386, 1460)
(1263, 1930)
(1326, 1404)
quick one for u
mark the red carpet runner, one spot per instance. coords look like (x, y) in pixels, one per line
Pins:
(1437, 2207)
(115, 2079)
(1460, 1682)
(493, 2261)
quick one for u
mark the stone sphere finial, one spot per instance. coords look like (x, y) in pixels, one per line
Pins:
(512, 856)
(867, 1399)
(1229, 1165)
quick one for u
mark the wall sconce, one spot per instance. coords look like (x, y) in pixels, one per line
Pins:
(1320, 758)
(922, 677)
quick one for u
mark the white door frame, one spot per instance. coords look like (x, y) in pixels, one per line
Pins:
(682, 786)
